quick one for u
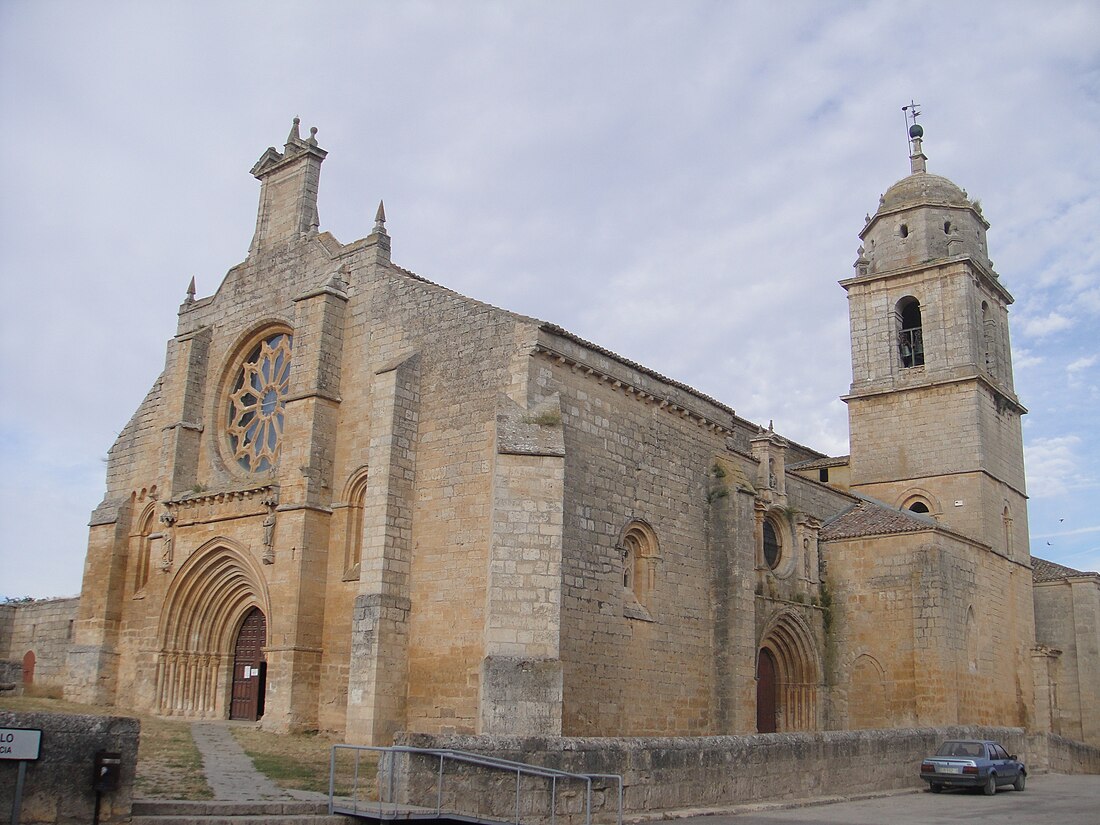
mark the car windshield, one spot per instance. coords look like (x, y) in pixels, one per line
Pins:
(964, 749)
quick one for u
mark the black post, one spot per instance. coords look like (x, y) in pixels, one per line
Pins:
(17, 800)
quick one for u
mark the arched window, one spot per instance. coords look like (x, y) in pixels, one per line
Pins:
(630, 560)
(918, 506)
(353, 533)
(910, 333)
(639, 555)
(144, 549)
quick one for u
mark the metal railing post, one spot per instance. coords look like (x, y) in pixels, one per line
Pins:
(553, 798)
(331, 778)
(393, 770)
(588, 803)
(517, 796)
(355, 781)
(439, 788)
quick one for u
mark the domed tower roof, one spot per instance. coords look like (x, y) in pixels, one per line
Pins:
(923, 188)
(921, 218)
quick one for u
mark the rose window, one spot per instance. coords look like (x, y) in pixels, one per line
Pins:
(256, 404)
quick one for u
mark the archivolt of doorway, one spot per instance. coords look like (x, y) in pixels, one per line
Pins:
(788, 675)
(214, 591)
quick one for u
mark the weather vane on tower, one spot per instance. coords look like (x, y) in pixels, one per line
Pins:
(917, 158)
(912, 128)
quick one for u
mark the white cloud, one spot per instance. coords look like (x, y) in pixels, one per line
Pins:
(1081, 364)
(1023, 359)
(1054, 466)
(1046, 325)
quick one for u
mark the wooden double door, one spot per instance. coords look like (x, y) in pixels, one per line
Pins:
(249, 668)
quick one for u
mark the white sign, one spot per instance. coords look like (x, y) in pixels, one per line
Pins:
(19, 743)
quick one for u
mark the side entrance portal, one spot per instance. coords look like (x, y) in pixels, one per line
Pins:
(249, 668)
(765, 692)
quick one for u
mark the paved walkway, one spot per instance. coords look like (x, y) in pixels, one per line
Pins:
(229, 771)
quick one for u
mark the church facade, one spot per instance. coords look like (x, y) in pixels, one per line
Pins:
(359, 502)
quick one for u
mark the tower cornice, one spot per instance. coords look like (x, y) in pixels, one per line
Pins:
(985, 273)
(892, 388)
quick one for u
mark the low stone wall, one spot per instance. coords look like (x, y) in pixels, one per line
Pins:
(11, 678)
(667, 774)
(58, 787)
(1069, 756)
(44, 628)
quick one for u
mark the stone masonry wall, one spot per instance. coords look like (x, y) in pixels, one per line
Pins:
(669, 774)
(465, 350)
(58, 787)
(928, 630)
(43, 627)
(681, 660)
(1067, 619)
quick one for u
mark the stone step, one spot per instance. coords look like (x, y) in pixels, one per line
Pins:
(244, 819)
(214, 807)
(217, 812)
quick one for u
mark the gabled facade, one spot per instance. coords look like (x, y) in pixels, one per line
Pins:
(360, 502)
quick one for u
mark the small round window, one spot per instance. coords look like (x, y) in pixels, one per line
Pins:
(771, 545)
(256, 404)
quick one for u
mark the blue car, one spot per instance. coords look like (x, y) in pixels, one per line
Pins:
(973, 764)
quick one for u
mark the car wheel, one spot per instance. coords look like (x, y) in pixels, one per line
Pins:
(936, 787)
(1021, 780)
(990, 786)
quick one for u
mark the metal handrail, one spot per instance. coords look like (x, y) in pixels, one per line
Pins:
(519, 768)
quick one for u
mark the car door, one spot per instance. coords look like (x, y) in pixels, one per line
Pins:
(1005, 767)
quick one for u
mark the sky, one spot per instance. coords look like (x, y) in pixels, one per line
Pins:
(682, 183)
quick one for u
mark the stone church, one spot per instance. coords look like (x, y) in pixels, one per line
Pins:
(359, 502)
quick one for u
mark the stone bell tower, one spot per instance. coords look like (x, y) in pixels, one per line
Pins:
(933, 417)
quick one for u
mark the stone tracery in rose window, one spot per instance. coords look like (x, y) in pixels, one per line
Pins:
(256, 404)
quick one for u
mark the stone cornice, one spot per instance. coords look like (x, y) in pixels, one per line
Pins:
(983, 271)
(630, 389)
(223, 494)
(977, 377)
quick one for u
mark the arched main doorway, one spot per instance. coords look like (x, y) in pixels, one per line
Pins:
(249, 668)
(206, 615)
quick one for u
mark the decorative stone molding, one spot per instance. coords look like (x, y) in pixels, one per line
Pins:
(203, 506)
